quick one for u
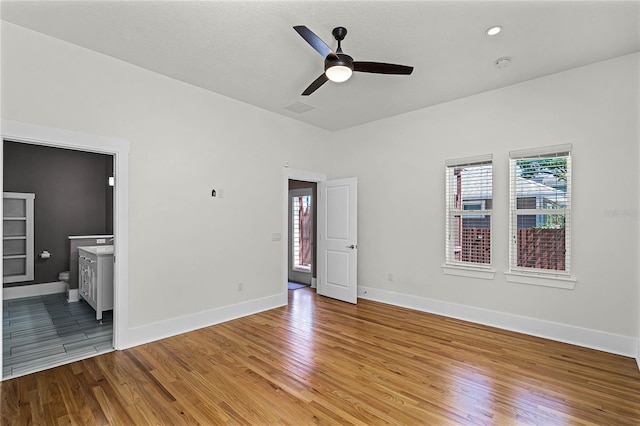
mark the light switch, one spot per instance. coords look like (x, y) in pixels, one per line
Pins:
(276, 237)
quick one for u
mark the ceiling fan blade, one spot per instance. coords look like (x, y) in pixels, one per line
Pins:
(315, 85)
(315, 42)
(382, 68)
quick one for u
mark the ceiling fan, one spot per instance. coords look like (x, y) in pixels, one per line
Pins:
(339, 66)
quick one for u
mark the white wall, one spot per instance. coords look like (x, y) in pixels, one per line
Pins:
(400, 167)
(187, 250)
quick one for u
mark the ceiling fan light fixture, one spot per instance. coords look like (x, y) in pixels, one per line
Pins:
(338, 73)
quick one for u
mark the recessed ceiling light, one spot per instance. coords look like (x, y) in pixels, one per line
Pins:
(493, 30)
(502, 62)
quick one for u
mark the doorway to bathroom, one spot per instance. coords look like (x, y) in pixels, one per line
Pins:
(45, 322)
(302, 231)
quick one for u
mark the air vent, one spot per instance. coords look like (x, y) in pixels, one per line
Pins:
(299, 107)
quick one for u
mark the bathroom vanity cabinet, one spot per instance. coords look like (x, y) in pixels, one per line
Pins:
(76, 241)
(95, 277)
(17, 237)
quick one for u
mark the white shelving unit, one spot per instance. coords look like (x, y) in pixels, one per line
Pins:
(17, 237)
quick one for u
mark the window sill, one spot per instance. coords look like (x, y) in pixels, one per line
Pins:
(471, 272)
(568, 282)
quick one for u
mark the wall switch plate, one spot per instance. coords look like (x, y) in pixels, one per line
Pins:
(276, 237)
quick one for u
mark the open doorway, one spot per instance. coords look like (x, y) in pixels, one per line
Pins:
(302, 225)
(47, 319)
(307, 177)
(119, 149)
(336, 234)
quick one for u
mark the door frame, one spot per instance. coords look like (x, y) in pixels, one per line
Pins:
(294, 174)
(119, 149)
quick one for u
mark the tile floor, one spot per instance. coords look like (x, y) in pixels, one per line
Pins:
(45, 331)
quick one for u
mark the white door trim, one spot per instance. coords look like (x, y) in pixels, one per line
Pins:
(294, 174)
(59, 138)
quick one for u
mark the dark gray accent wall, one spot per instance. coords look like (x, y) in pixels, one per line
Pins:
(72, 198)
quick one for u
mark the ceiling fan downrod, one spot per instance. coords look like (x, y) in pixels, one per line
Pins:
(339, 33)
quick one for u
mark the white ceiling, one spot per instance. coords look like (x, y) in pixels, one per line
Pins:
(249, 51)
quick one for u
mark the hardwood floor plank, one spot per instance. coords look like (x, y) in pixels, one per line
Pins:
(321, 361)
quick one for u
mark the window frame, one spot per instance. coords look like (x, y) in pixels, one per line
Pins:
(451, 265)
(530, 275)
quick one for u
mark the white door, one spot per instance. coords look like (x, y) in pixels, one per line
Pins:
(338, 245)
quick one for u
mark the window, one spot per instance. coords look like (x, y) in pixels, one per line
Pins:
(540, 208)
(469, 200)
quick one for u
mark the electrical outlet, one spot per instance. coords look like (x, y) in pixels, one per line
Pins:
(390, 277)
(240, 287)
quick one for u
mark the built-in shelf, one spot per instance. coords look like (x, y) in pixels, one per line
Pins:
(17, 238)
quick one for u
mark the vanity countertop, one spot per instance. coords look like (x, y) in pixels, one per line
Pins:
(97, 250)
(81, 237)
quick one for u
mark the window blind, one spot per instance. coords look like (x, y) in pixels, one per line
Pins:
(540, 206)
(469, 204)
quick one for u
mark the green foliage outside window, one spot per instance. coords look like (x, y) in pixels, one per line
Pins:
(541, 167)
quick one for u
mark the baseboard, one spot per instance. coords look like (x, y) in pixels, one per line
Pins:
(32, 290)
(160, 330)
(594, 339)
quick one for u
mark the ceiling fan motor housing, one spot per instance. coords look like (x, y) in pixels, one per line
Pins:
(343, 60)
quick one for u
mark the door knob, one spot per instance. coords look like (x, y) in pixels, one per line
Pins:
(352, 246)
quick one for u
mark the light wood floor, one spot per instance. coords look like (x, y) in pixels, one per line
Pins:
(326, 362)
